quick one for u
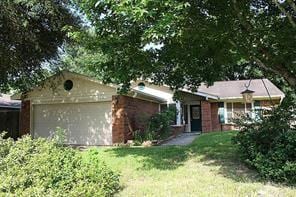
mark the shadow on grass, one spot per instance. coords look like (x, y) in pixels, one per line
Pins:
(213, 149)
(163, 158)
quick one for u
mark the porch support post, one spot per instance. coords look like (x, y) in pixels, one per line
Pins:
(188, 119)
(225, 113)
(178, 107)
(253, 110)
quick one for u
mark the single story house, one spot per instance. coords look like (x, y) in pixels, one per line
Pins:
(94, 113)
(9, 115)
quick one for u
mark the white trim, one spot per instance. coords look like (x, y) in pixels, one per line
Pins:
(202, 94)
(282, 98)
(253, 110)
(188, 118)
(178, 116)
(225, 113)
(31, 120)
(232, 115)
(69, 100)
(232, 110)
(158, 98)
(254, 97)
(9, 107)
(189, 104)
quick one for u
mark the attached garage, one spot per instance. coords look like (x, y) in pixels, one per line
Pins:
(79, 105)
(91, 113)
(85, 123)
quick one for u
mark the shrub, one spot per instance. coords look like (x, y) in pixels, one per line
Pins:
(269, 144)
(39, 167)
(158, 127)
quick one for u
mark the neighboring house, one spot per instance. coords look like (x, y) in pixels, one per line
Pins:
(9, 115)
(94, 114)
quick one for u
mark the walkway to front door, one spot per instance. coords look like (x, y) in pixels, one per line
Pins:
(182, 139)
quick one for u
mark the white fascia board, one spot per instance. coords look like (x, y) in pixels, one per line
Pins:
(202, 94)
(159, 95)
(254, 97)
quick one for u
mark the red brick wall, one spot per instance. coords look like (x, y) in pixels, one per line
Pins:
(206, 117)
(130, 114)
(176, 130)
(25, 118)
(267, 103)
(216, 126)
(228, 127)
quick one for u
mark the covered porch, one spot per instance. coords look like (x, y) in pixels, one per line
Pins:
(193, 111)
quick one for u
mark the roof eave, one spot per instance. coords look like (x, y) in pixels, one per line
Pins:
(156, 98)
(254, 97)
(202, 94)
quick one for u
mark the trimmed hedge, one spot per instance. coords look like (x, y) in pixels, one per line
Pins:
(40, 167)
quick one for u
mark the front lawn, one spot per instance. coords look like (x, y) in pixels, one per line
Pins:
(208, 167)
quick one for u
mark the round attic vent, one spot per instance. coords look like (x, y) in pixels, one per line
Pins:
(141, 85)
(68, 85)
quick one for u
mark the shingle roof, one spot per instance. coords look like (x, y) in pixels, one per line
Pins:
(6, 102)
(233, 89)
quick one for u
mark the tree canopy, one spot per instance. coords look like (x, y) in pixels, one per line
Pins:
(30, 33)
(183, 43)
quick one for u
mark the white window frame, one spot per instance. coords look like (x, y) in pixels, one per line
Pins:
(225, 110)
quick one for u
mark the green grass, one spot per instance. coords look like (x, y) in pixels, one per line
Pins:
(209, 166)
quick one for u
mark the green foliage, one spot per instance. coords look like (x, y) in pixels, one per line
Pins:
(269, 144)
(159, 124)
(59, 136)
(38, 167)
(183, 43)
(30, 32)
(81, 60)
(158, 127)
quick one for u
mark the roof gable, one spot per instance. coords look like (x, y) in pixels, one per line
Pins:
(83, 87)
(233, 89)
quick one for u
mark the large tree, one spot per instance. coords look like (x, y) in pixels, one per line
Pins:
(30, 33)
(186, 42)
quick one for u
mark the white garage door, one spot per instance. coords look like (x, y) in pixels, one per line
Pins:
(85, 123)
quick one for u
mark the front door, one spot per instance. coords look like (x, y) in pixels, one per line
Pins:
(195, 116)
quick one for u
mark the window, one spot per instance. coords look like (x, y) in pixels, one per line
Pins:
(238, 109)
(229, 111)
(249, 109)
(221, 112)
(258, 110)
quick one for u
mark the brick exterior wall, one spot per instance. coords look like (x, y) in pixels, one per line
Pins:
(176, 130)
(216, 126)
(130, 114)
(25, 118)
(206, 117)
(267, 103)
(228, 127)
